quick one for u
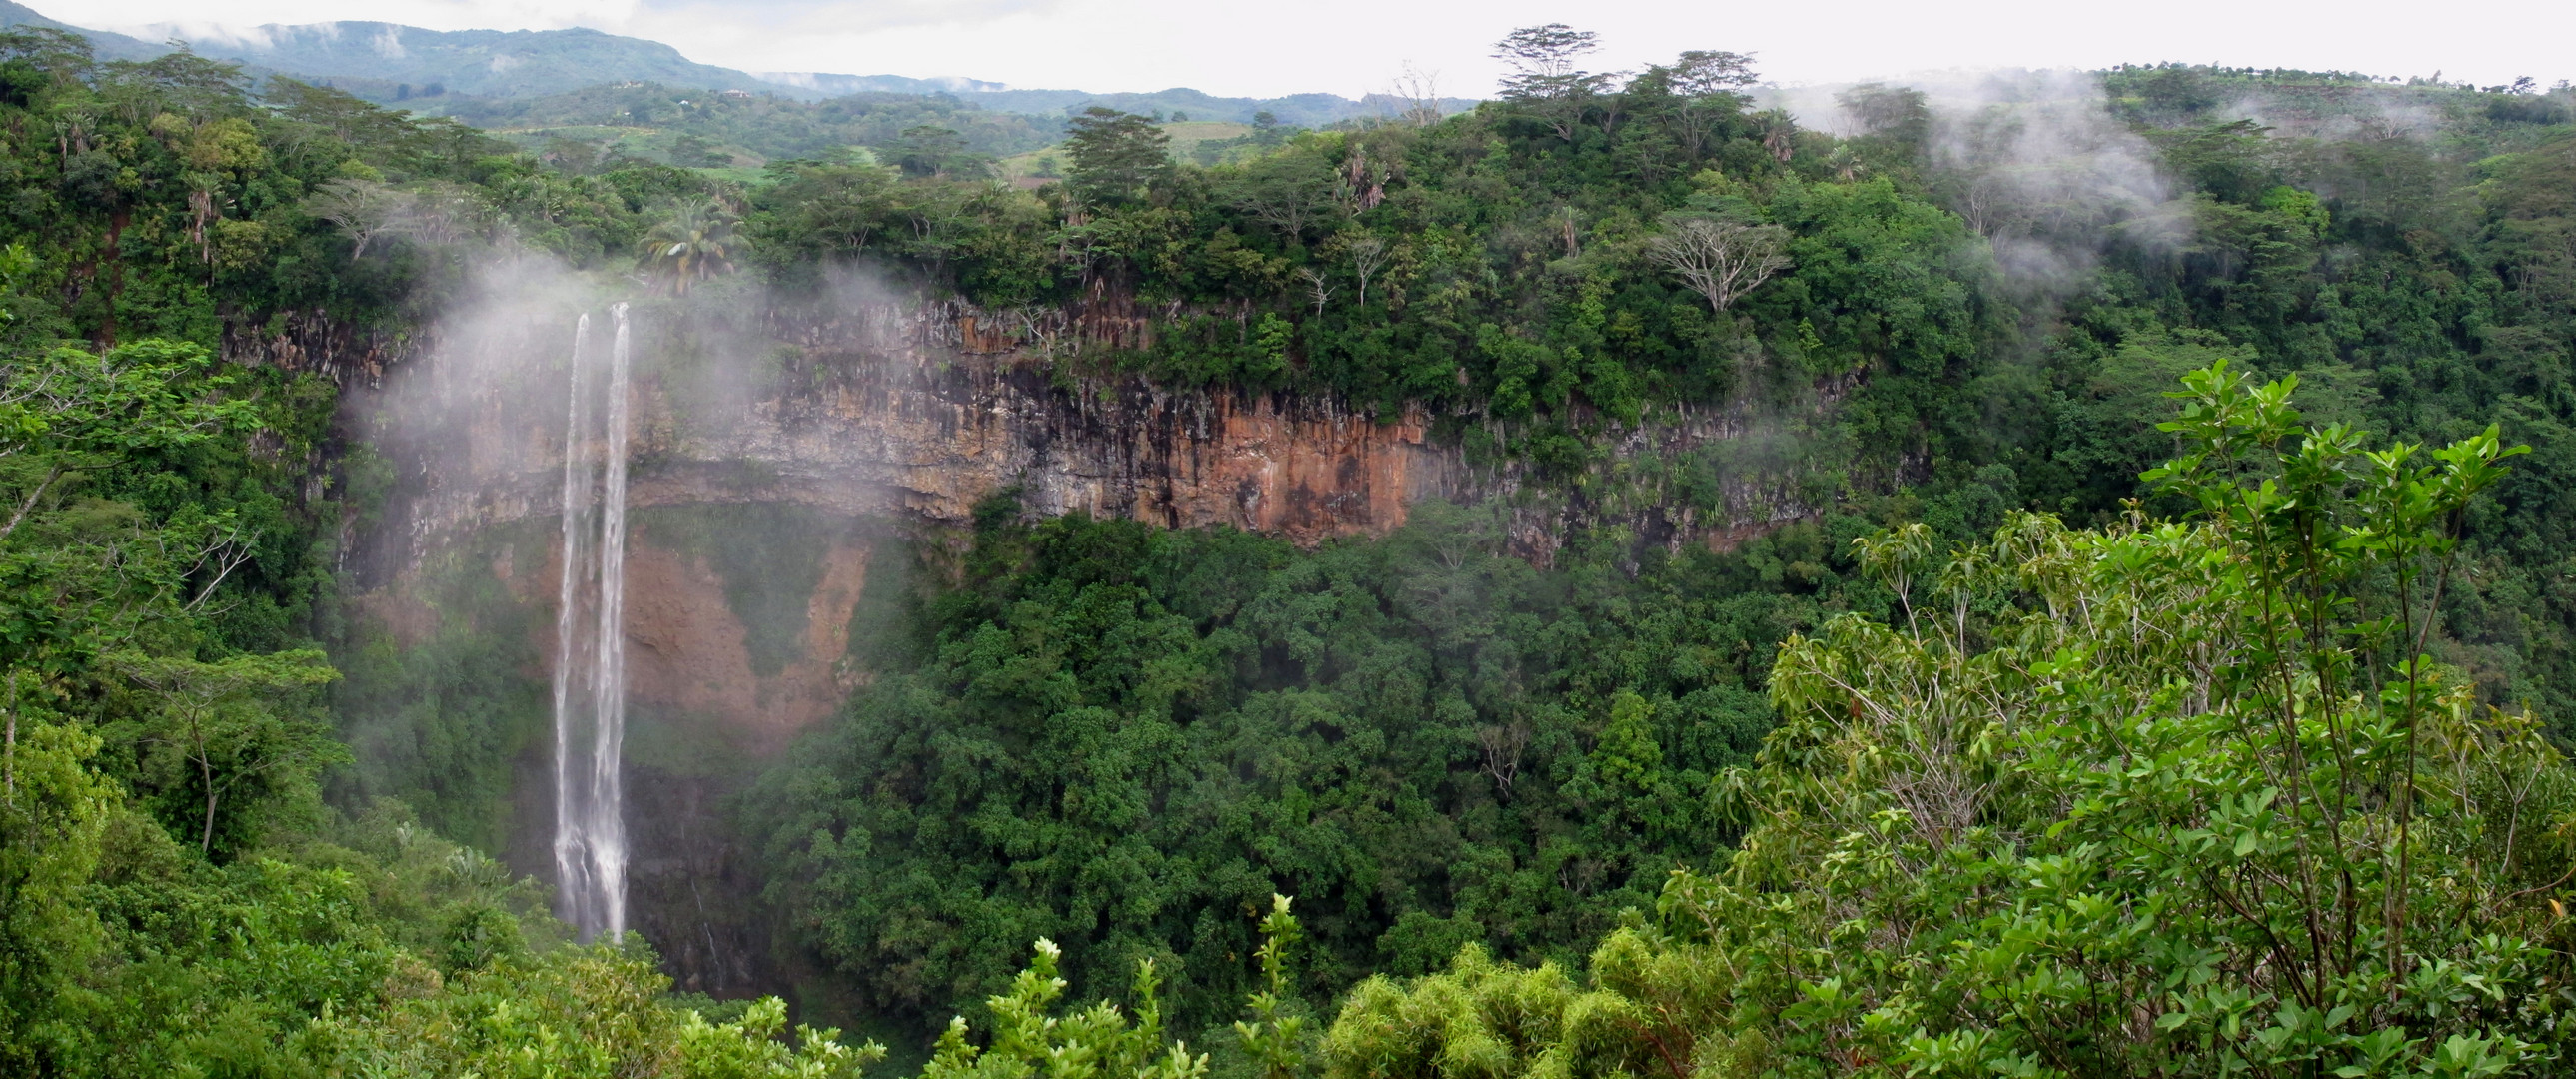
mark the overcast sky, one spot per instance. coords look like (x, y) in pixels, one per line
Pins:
(1352, 47)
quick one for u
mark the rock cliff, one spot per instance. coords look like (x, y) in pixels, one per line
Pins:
(897, 413)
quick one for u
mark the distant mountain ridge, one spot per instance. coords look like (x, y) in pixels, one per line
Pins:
(831, 85)
(107, 45)
(1304, 110)
(377, 59)
(389, 62)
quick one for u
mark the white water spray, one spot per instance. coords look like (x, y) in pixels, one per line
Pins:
(590, 650)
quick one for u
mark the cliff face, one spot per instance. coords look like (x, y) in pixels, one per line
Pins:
(907, 412)
(898, 414)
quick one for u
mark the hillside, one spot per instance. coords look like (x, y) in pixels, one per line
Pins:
(465, 71)
(110, 46)
(1301, 110)
(649, 120)
(384, 61)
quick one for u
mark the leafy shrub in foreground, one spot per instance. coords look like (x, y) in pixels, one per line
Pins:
(2154, 799)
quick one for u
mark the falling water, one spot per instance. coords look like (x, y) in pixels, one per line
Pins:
(590, 649)
(572, 891)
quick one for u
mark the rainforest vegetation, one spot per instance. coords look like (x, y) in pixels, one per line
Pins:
(2170, 678)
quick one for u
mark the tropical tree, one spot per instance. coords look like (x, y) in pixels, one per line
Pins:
(573, 1012)
(1544, 78)
(822, 210)
(213, 730)
(363, 209)
(1099, 1040)
(1116, 155)
(928, 150)
(1702, 86)
(696, 240)
(1290, 191)
(53, 808)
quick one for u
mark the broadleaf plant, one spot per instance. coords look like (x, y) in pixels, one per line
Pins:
(2182, 797)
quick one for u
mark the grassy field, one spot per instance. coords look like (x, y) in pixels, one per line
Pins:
(648, 143)
(1188, 134)
(1028, 169)
(1047, 162)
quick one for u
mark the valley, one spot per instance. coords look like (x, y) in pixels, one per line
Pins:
(616, 566)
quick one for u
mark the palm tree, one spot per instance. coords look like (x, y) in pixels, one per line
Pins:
(697, 240)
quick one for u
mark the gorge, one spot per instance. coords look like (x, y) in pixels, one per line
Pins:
(777, 463)
(2041, 573)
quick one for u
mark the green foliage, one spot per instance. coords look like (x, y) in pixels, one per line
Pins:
(1480, 1018)
(595, 126)
(1497, 264)
(181, 201)
(696, 240)
(436, 723)
(1270, 1038)
(51, 819)
(1499, 268)
(2156, 798)
(2302, 819)
(1103, 1041)
(374, 948)
(575, 1013)
(1126, 740)
(219, 742)
(1116, 155)
(1100, 1040)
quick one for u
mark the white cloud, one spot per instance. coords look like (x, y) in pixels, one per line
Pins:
(1353, 46)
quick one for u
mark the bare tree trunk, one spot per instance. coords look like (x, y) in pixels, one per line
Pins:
(1367, 254)
(51, 474)
(206, 842)
(1720, 259)
(206, 774)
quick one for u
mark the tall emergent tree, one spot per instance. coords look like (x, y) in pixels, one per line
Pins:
(1116, 155)
(1544, 77)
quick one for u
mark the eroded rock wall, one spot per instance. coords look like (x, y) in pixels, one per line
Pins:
(869, 420)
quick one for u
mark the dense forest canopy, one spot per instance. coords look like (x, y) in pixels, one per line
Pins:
(2120, 708)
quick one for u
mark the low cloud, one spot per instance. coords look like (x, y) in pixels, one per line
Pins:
(1353, 46)
(2033, 161)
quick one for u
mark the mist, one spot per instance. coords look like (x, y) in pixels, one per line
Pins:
(2033, 162)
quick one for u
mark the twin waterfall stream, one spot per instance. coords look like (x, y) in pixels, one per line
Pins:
(590, 647)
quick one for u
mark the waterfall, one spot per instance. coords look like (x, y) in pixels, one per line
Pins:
(571, 889)
(608, 678)
(590, 647)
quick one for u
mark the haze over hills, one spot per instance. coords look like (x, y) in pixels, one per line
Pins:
(387, 62)
(831, 85)
(108, 45)
(378, 60)
(1305, 110)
